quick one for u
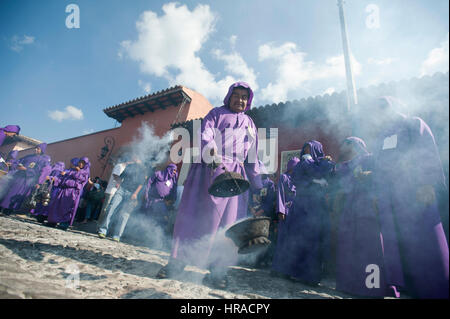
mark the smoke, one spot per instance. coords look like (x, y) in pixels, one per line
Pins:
(152, 151)
(4, 181)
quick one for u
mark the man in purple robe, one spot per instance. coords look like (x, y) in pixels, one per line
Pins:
(408, 176)
(160, 195)
(41, 212)
(201, 216)
(63, 206)
(309, 225)
(8, 131)
(359, 240)
(31, 171)
(284, 204)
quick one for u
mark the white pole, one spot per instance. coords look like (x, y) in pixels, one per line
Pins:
(351, 91)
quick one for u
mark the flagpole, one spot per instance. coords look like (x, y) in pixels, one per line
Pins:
(352, 98)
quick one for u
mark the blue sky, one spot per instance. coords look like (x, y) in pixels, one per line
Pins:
(55, 81)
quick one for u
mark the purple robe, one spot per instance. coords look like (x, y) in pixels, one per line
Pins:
(414, 242)
(359, 241)
(57, 168)
(160, 187)
(200, 214)
(308, 221)
(23, 182)
(63, 206)
(285, 200)
(8, 128)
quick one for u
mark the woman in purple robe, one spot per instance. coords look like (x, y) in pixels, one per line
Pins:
(63, 206)
(201, 215)
(284, 203)
(31, 171)
(308, 224)
(359, 240)
(41, 212)
(408, 175)
(161, 192)
(9, 130)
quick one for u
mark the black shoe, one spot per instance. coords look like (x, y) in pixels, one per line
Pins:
(41, 219)
(52, 225)
(63, 226)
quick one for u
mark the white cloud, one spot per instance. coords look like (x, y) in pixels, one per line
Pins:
(235, 64)
(168, 46)
(88, 131)
(18, 43)
(233, 40)
(329, 91)
(437, 60)
(381, 62)
(293, 71)
(70, 113)
(147, 87)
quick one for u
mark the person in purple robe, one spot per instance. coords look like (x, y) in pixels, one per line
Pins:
(262, 203)
(201, 216)
(10, 163)
(408, 177)
(309, 224)
(31, 172)
(160, 194)
(8, 131)
(359, 250)
(10, 167)
(284, 204)
(64, 204)
(41, 211)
